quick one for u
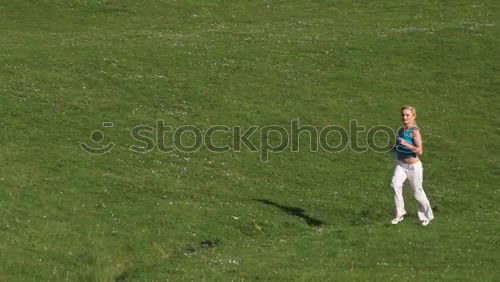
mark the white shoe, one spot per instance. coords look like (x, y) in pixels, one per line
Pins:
(425, 222)
(397, 220)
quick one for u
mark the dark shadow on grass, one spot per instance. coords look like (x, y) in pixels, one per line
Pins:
(293, 211)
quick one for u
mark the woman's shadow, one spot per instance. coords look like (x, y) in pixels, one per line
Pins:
(293, 211)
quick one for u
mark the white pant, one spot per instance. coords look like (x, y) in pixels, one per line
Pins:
(414, 174)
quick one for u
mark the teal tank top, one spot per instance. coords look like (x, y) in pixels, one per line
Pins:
(403, 151)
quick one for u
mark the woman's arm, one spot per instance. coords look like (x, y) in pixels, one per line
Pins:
(417, 140)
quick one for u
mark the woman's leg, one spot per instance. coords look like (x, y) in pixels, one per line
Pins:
(415, 177)
(398, 178)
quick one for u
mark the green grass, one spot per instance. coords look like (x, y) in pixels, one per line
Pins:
(68, 66)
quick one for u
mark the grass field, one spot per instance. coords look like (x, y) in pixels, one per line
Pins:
(66, 67)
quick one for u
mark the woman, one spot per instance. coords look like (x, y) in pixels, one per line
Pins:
(408, 148)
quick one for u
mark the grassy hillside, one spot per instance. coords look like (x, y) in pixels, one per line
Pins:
(66, 67)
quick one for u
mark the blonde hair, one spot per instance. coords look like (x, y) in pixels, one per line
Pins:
(413, 111)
